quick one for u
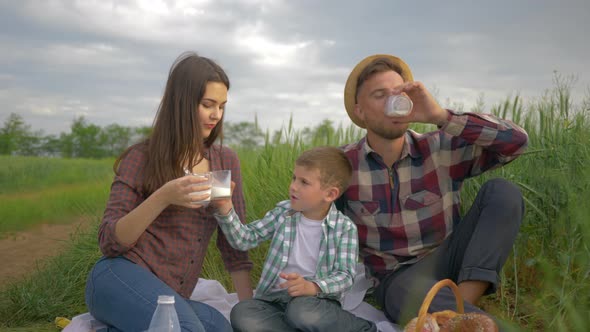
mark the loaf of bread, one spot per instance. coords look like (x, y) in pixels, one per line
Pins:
(470, 322)
(430, 325)
(442, 317)
(450, 321)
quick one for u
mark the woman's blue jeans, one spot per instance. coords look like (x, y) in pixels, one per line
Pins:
(124, 296)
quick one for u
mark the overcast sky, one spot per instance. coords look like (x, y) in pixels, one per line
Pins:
(108, 60)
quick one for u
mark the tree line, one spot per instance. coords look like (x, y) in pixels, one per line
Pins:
(87, 140)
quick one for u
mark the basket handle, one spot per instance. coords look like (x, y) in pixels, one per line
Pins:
(430, 296)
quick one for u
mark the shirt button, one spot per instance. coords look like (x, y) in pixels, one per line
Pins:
(192, 261)
(199, 240)
(181, 282)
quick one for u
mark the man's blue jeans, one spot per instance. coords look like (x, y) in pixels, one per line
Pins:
(124, 296)
(281, 312)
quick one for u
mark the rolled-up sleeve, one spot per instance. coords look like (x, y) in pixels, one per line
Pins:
(125, 196)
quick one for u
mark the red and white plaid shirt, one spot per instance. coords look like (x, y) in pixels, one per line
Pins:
(173, 247)
(405, 210)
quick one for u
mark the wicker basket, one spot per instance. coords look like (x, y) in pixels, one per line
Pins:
(455, 321)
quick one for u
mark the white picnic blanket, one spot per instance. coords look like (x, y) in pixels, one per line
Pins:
(215, 295)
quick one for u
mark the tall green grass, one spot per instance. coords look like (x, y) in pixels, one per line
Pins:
(545, 283)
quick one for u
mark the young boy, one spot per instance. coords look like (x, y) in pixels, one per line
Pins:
(313, 253)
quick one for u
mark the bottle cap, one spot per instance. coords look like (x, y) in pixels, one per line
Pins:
(165, 299)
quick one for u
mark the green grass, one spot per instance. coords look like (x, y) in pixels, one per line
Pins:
(50, 190)
(545, 283)
(59, 204)
(27, 174)
(35, 327)
(55, 289)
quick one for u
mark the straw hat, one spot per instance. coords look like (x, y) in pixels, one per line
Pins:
(351, 82)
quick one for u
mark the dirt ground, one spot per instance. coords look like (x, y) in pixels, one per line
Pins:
(21, 252)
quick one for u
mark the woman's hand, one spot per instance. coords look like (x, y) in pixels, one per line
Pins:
(184, 191)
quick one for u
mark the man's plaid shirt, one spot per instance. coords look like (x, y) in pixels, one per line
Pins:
(405, 210)
(338, 255)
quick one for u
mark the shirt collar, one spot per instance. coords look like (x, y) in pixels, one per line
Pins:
(409, 147)
(331, 217)
(329, 220)
(207, 153)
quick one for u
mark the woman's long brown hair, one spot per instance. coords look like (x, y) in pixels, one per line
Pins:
(176, 140)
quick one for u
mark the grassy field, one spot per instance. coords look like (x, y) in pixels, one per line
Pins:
(545, 284)
(50, 190)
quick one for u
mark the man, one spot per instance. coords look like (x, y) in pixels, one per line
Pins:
(405, 192)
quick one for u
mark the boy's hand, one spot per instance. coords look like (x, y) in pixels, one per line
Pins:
(223, 205)
(297, 286)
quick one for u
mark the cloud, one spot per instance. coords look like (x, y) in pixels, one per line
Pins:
(267, 52)
(93, 55)
(109, 60)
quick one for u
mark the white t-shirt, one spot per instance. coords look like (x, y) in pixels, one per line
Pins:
(304, 254)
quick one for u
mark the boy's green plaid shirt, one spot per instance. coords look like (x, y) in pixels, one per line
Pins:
(338, 255)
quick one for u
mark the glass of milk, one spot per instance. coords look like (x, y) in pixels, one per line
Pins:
(398, 105)
(221, 184)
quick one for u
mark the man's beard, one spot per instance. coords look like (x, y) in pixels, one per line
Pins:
(381, 130)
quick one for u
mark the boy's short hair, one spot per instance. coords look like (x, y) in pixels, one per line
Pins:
(334, 166)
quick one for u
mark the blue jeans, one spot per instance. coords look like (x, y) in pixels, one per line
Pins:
(124, 296)
(281, 312)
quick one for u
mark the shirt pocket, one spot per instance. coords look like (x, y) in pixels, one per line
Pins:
(364, 208)
(367, 213)
(419, 200)
(423, 216)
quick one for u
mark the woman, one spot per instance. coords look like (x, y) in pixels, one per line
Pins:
(153, 235)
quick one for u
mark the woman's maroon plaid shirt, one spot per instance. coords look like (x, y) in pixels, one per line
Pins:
(173, 247)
